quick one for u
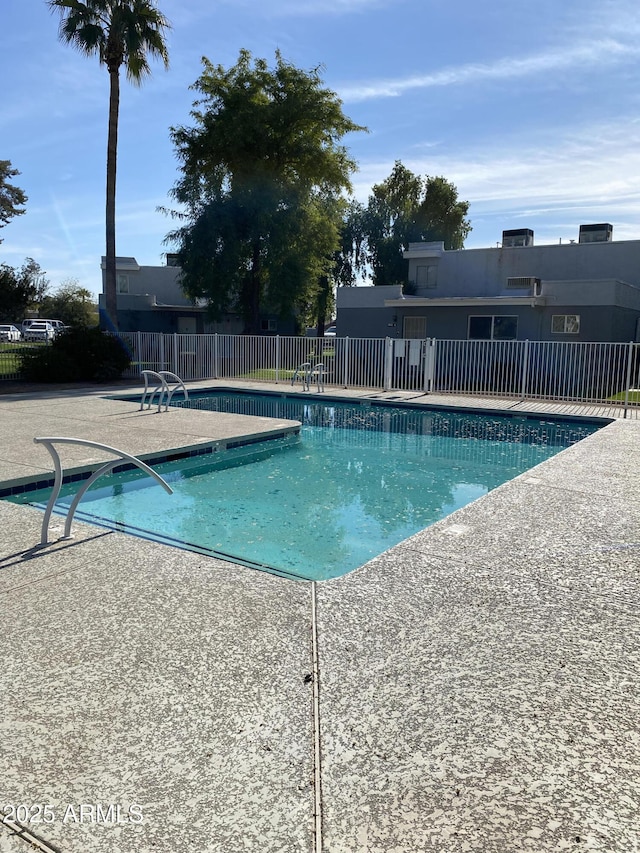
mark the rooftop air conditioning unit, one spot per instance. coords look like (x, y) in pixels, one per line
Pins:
(524, 283)
(517, 237)
(600, 233)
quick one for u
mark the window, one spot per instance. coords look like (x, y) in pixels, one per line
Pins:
(565, 324)
(414, 327)
(493, 328)
(123, 283)
(269, 325)
(427, 276)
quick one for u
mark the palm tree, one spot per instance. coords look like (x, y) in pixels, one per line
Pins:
(121, 32)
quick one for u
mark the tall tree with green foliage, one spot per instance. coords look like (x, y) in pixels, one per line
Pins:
(406, 208)
(121, 33)
(12, 198)
(21, 290)
(351, 257)
(262, 172)
(71, 303)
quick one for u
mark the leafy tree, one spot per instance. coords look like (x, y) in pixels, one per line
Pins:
(20, 290)
(11, 197)
(262, 174)
(406, 208)
(72, 304)
(351, 257)
(349, 261)
(441, 216)
(122, 33)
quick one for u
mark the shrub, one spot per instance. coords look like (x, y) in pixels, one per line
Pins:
(78, 355)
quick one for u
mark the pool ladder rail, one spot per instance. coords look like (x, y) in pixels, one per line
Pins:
(162, 388)
(308, 373)
(121, 457)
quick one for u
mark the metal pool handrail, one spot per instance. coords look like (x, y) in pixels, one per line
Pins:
(302, 372)
(173, 377)
(104, 468)
(163, 377)
(318, 373)
(161, 386)
(309, 373)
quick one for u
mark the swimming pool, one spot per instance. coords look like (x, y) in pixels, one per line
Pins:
(360, 478)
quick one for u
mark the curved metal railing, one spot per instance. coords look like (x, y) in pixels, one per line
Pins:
(103, 469)
(317, 374)
(168, 376)
(302, 373)
(308, 373)
(162, 378)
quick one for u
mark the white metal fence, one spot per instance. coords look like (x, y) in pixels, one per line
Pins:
(11, 359)
(576, 372)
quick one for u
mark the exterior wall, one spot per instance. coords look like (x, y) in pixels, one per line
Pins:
(484, 272)
(600, 282)
(160, 282)
(597, 323)
(168, 322)
(154, 302)
(451, 323)
(361, 312)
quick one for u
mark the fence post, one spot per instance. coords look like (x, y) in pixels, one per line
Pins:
(429, 358)
(215, 355)
(388, 362)
(627, 383)
(524, 370)
(346, 363)
(139, 350)
(174, 366)
(161, 353)
(277, 358)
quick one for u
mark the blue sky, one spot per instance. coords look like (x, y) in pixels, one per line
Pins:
(532, 110)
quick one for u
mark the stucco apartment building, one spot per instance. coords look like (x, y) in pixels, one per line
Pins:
(150, 299)
(583, 290)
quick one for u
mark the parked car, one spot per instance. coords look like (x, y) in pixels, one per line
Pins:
(11, 333)
(39, 330)
(57, 325)
(330, 332)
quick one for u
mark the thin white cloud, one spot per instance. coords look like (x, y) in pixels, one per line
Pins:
(591, 173)
(600, 52)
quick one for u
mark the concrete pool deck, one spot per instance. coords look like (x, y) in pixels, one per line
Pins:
(474, 688)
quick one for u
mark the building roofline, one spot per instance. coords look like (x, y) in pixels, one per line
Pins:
(458, 301)
(430, 250)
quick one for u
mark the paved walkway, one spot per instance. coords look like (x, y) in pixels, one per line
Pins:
(472, 689)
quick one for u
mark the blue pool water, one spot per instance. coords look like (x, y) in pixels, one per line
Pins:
(359, 479)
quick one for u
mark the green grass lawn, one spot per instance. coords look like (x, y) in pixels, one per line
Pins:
(634, 397)
(10, 357)
(268, 374)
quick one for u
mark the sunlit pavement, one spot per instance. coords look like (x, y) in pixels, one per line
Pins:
(472, 689)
